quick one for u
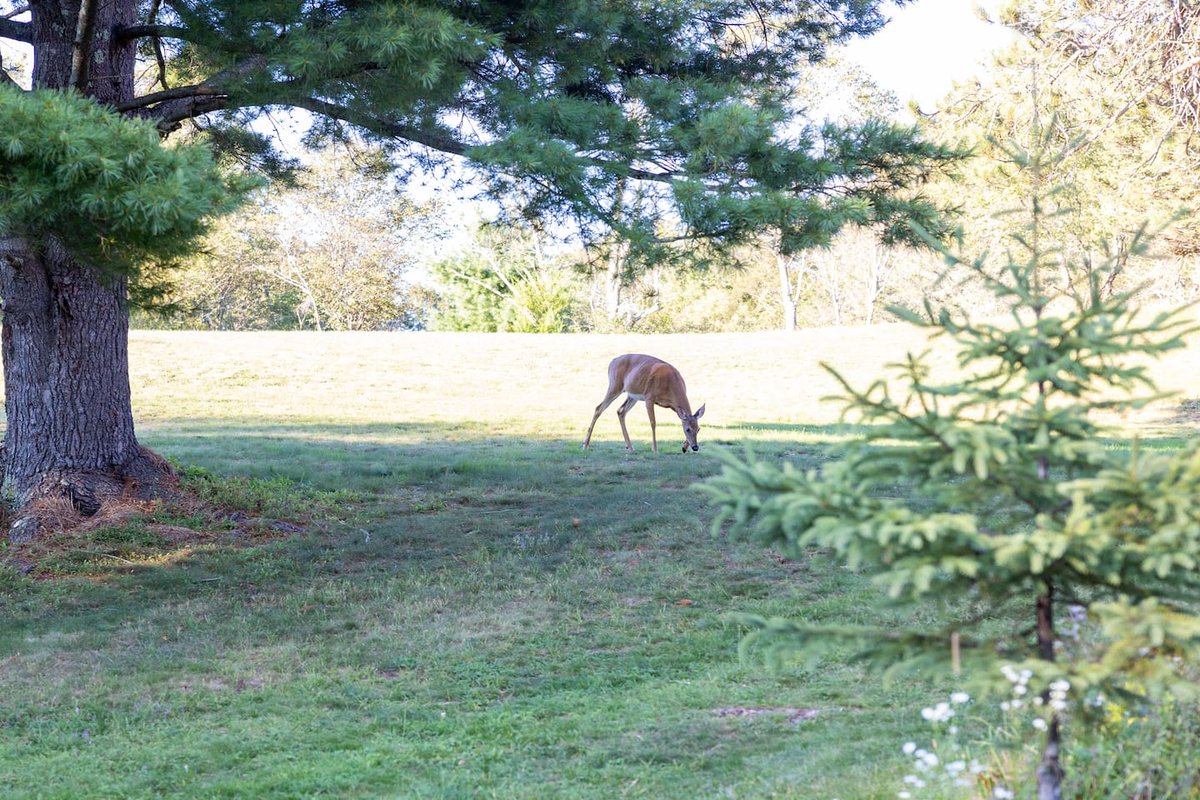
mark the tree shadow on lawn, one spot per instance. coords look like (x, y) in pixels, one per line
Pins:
(486, 576)
(390, 498)
(494, 577)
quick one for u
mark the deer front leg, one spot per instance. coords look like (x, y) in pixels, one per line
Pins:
(653, 434)
(628, 404)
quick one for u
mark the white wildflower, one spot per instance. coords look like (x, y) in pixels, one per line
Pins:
(904, 795)
(955, 767)
(1040, 724)
(959, 697)
(909, 748)
(1000, 793)
(939, 713)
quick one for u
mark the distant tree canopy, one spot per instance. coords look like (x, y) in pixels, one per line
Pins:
(331, 251)
(1103, 78)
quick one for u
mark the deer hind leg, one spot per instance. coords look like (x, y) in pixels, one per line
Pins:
(653, 435)
(613, 393)
(628, 404)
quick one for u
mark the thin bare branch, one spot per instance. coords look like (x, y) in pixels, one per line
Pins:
(152, 18)
(81, 50)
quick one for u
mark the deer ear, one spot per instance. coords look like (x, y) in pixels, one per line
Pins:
(700, 413)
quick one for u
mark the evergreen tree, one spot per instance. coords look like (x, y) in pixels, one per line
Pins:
(504, 281)
(994, 498)
(572, 102)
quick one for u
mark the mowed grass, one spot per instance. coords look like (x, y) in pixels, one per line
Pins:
(476, 607)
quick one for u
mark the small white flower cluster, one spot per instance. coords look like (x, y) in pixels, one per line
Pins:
(1020, 686)
(1056, 697)
(942, 712)
(1058, 694)
(928, 767)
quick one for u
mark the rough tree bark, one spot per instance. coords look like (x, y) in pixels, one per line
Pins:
(65, 327)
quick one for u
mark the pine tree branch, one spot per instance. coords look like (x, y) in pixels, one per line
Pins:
(439, 142)
(177, 93)
(156, 30)
(428, 139)
(168, 115)
(169, 107)
(16, 31)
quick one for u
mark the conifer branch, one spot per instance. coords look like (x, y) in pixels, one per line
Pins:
(153, 29)
(177, 93)
(15, 31)
(443, 143)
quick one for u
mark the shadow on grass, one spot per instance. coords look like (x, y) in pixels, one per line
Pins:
(508, 609)
(481, 599)
(425, 497)
(831, 432)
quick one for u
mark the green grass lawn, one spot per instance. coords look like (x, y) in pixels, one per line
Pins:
(475, 607)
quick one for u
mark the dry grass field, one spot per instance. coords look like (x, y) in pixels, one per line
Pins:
(545, 386)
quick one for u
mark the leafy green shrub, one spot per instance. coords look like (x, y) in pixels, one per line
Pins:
(271, 497)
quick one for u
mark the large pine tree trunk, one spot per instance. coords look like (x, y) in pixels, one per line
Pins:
(65, 328)
(66, 376)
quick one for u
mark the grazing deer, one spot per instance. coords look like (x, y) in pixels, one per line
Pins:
(658, 383)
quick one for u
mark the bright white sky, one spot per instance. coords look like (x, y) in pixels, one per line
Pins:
(927, 46)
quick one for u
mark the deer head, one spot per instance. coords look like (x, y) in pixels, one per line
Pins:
(691, 427)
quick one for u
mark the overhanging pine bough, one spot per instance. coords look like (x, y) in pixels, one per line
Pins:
(570, 102)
